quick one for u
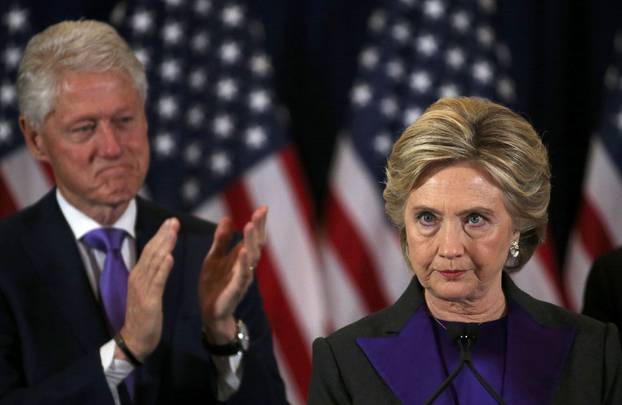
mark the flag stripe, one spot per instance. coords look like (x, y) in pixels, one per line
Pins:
(604, 190)
(345, 302)
(594, 235)
(26, 178)
(546, 254)
(290, 244)
(284, 324)
(295, 177)
(575, 276)
(354, 255)
(7, 205)
(359, 195)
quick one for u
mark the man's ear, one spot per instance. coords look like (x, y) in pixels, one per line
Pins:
(33, 139)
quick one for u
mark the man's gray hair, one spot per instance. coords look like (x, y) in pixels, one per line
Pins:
(76, 46)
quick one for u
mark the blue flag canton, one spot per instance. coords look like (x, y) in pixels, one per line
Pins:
(418, 52)
(15, 31)
(211, 108)
(610, 131)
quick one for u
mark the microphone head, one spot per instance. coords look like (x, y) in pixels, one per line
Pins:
(460, 332)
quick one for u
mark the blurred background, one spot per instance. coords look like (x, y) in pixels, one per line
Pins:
(296, 103)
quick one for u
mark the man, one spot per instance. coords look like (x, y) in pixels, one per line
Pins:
(75, 328)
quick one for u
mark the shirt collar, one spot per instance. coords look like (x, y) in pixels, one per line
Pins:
(81, 224)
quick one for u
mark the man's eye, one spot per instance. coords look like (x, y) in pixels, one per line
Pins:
(84, 128)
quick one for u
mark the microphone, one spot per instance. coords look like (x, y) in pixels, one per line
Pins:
(465, 335)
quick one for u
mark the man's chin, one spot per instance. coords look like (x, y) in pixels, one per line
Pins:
(117, 196)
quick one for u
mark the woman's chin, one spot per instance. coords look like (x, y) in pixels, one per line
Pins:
(452, 291)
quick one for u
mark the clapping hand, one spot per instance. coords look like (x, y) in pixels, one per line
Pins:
(143, 317)
(227, 274)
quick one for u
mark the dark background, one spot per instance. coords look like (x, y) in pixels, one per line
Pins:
(560, 51)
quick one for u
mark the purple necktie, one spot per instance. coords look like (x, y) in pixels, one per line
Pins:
(113, 279)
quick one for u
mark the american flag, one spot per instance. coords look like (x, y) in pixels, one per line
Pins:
(22, 180)
(219, 147)
(417, 52)
(599, 223)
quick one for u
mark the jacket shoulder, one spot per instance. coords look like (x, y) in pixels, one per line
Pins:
(15, 223)
(189, 223)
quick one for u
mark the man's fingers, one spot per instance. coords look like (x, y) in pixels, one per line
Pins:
(243, 275)
(222, 238)
(259, 219)
(251, 243)
(158, 247)
(162, 272)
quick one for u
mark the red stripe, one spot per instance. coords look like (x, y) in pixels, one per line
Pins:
(284, 324)
(298, 185)
(592, 230)
(547, 258)
(7, 204)
(354, 255)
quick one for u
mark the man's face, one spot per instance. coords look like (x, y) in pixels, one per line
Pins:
(95, 140)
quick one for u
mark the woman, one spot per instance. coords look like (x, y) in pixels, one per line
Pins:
(468, 187)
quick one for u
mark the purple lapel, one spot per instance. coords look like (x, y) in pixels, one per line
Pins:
(535, 358)
(408, 362)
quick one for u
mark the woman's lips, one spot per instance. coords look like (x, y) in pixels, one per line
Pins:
(452, 274)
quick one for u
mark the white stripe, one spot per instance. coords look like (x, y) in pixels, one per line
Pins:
(292, 247)
(604, 188)
(294, 397)
(361, 200)
(342, 296)
(578, 263)
(213, 209)
(535, 281)
(24, 177)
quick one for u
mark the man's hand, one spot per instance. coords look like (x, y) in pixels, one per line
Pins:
(226, 275)
(143, 317)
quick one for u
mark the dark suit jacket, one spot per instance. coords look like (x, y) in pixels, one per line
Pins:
(603, 291)
(552, 357)
(52, 327)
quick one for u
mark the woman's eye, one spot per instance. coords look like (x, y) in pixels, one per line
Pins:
(426, 218)
(475, 219)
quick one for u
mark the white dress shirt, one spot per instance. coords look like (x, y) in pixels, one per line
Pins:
(229, 367)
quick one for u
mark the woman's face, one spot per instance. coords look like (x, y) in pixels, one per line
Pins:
(459, 232)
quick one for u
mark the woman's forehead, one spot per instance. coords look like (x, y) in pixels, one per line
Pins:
(457, 184)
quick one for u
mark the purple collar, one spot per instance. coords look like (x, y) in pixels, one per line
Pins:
(410, 364)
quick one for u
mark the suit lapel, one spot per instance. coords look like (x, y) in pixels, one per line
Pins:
(54, 252)
(537, 350)
(409, 362)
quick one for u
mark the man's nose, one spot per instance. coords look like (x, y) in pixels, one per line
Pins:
(109, 140)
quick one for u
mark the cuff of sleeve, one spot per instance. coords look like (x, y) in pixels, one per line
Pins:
(114, 369)
(229, 369)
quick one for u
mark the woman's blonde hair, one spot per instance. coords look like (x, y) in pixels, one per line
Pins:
(500, 141)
